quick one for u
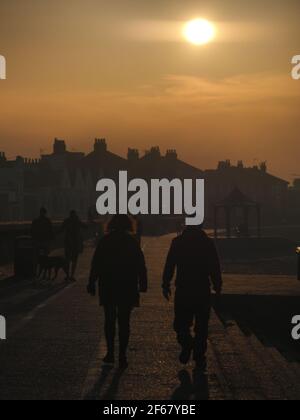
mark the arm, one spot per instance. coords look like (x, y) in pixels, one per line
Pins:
(215, 270)
(169, 271)
(142, 272)
(95, 272)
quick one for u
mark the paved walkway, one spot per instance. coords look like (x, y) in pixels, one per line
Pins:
(55, 343)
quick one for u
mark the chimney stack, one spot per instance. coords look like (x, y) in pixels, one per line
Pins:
(133, 155)
(59, 147)
(100, 146)
(171, 154)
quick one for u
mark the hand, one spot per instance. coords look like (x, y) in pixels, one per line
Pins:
(91, 289)
(143, 288)
(167, 293)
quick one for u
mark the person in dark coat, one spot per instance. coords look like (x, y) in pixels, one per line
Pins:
(120, 270)
(42, 233)
(139, 229)
(194, 256)
(72, 228)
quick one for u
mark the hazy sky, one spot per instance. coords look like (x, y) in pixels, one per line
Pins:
(80, 69)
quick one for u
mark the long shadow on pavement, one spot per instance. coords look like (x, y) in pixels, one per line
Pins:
(96, 393)
(267, 317)
(191, 387)
(112, 391)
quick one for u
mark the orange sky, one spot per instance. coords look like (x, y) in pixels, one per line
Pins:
(79, 69)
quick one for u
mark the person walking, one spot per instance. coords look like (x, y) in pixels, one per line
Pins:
(194, 256)
(119, 268)
(42, 233)
(72, 228)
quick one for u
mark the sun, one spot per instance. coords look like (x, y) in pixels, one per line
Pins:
(199, 31)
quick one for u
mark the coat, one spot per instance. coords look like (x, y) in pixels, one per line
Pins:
(194, 256)
(120, 270)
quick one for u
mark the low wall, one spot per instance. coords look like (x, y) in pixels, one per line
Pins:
(255, 248)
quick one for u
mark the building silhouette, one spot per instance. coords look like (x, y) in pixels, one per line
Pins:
(65, 180)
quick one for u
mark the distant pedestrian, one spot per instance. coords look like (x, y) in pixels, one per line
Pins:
(42, 233)
(194, 256)
(119, 268)
(72, 228)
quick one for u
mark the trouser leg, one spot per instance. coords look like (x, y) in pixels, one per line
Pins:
(74, 266)
(183, 322)
(201, 332)
(110, 313)
(124, 314)
(68, 262)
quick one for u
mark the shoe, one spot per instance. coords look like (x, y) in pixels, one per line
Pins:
(109, 359)
(185, 355)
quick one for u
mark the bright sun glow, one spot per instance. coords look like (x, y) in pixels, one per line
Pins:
(199, 31)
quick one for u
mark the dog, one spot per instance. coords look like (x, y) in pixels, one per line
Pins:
(47, 264)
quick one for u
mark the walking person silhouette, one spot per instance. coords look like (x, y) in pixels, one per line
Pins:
(42, 233)
(120, 270)
(72, 228)
(194, 256)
